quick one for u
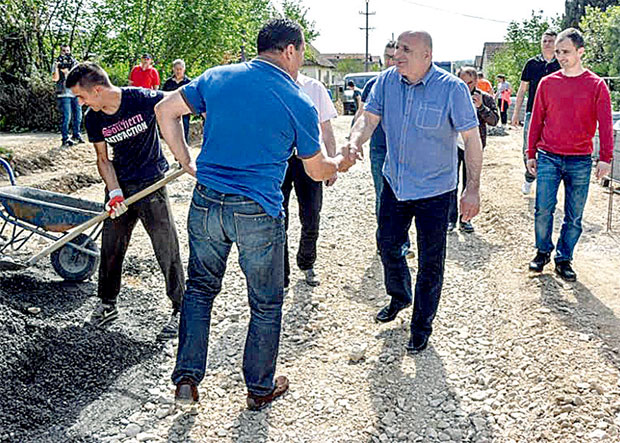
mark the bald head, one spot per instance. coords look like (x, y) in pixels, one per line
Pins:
(414, 54)
(421, 37)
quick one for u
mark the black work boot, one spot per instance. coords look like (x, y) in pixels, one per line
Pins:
(539, 262)
(565, 270)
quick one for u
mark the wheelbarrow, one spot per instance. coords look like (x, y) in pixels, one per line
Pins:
(28, 212)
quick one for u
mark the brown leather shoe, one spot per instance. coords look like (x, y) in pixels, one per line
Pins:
(186, 392)
(256, 402)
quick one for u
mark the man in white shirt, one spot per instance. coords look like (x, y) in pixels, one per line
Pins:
(309, 192)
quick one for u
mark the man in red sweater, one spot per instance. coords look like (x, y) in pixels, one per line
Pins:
(568, 105)
(144, 75)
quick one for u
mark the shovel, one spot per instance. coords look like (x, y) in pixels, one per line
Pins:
(10, 264)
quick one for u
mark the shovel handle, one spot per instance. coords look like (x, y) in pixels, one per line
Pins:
(101, 217)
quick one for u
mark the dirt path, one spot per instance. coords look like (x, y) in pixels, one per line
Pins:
(513, 357)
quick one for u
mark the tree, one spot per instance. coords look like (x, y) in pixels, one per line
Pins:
(522, 43)
(576, 9)
(294, 10)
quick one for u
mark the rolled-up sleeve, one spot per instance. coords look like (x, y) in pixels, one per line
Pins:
(462, 110)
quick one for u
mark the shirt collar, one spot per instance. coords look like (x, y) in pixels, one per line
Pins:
(540, 58)
(267, 62)
(424, 80)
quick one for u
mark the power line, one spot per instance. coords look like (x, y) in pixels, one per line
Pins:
(477, 17)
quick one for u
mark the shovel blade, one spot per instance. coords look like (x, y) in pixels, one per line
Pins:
(10, 264)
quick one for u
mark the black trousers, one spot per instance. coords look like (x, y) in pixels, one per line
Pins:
(310, 200)
(503, 110)
(454, 203)
(431, 218)
(156, 216)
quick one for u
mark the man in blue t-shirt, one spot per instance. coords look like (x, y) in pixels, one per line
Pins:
(124, 118)
(255, 114)
(422, 109)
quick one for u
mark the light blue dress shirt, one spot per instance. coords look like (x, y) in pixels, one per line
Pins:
(421, 122)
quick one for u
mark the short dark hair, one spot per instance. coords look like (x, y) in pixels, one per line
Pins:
(87, 75)
(573, 35)
(350, 83)
(501, 76)
(277, 34)
(550, 33)
(391, 44)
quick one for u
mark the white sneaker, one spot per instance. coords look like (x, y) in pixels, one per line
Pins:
(526, 188)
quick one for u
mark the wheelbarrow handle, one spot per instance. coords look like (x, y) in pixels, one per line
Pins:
(101, 217)
(5, 164)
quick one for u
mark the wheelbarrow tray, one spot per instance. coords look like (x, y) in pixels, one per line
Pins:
(51, 211)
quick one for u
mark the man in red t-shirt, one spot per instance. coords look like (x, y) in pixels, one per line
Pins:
(567, 108)
(144, 75)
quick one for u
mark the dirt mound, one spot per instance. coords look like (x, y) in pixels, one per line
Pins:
(68, 183)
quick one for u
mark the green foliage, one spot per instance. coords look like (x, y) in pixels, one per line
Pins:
(522, 42)
(575, 10)
(6, 153)
(602, 33)
(115, 33)
(349, 65)
(294, 10)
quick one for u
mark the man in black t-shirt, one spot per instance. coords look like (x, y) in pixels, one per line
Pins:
(176, 81)
(124, 118)
(533, 72)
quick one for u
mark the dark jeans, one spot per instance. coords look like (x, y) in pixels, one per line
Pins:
(215, 222)
(574, 171)
(310, 200)
(377, 159)
(454, 202)
(503, 110)
(70, 112)
(526, 127)
(186, 127)
(156, 216)
(431, 218)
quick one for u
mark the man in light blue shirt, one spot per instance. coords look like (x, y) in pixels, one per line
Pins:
(422, 109)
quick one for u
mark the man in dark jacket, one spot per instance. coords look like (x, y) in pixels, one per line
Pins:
(487, 115)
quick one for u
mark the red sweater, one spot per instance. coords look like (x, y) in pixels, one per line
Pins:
(565, 113)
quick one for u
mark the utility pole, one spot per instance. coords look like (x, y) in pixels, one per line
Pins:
(367, 57)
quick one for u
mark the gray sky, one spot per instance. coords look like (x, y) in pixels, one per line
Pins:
(455, 37)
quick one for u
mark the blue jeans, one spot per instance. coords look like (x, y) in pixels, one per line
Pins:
(215, 222)
(526, 127)
(186, 127)
(377, 159)
(574, 171)
(70, 112)
(431, 219)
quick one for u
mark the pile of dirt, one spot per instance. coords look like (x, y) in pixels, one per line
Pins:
(68, 183)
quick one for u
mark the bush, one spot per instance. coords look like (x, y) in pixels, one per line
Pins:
(29, 105)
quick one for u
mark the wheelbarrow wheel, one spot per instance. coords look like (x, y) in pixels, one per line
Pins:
(74, 265)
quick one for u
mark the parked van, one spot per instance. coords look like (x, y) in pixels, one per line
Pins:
(360, 79)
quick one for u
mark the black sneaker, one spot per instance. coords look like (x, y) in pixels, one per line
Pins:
(539, 262)
(565, 270)
(311, 278)
(417, 343)
(78, 140)
(451, 227)
(466, 227)
(67, 144)
(103, 314)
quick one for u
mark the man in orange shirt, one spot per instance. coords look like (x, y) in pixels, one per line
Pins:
(483, 84)
(144, 75)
